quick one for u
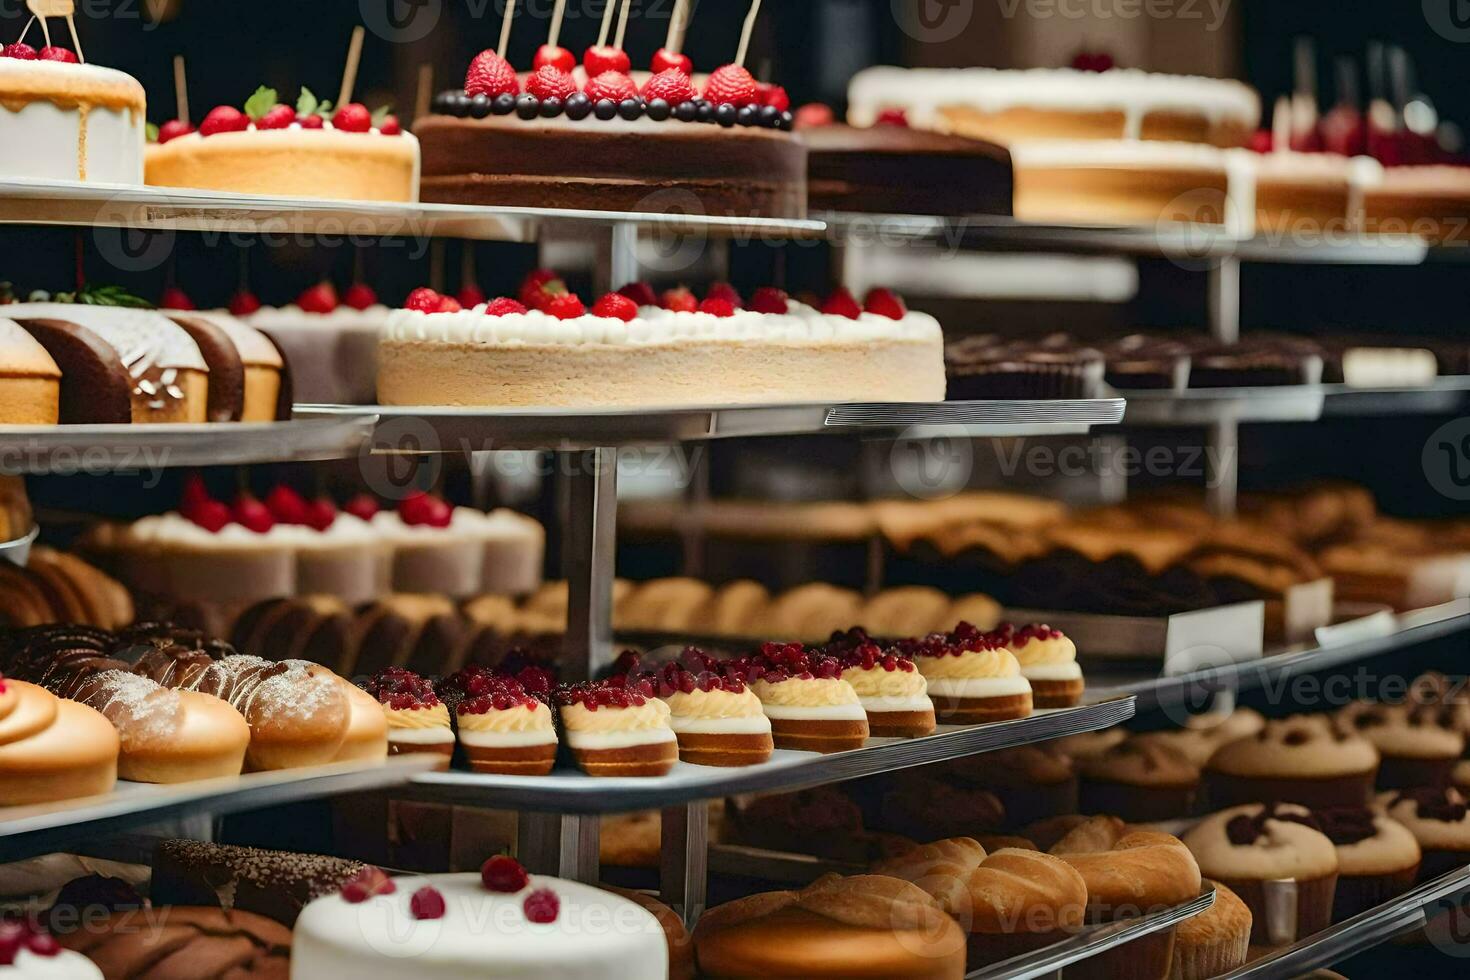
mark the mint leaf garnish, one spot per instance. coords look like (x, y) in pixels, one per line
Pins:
(263, 101)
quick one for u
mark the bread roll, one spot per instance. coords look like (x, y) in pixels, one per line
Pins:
(51, 749)
(366, 739)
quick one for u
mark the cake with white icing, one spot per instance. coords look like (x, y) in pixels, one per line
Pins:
(811, 707)
(1048, 660)
(330, 340)
(501, 923)
(627, 353)
(893, 691)
(65, 121)
(716, 717)
(972, 677)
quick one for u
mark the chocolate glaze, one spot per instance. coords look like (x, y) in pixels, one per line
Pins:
(226, 369)
(96, 387)
(896, 170)
(1245, 830)
(1347, 824)
(1434, 803)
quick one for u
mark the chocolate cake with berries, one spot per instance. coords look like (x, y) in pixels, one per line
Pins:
(590, 137)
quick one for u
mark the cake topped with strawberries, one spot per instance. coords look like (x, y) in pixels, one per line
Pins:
(546, 348)
(595, 136)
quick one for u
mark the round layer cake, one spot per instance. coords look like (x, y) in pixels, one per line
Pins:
(898, 170)
(479, 933)
(659, 358)
(613, 165)
(61, 121)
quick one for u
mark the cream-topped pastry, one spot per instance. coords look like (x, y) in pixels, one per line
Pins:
(72, 122)
(888, 684)
(332, 345)
(618, 728)
(803, 694)
(1048, 659)
(972, 678)
(503, 727)
(437, 548)
(621, 354)
(27, 953)
(717, 718)
(417, 720)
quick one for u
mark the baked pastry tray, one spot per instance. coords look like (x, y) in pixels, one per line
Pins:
(71, 449)
(572, 791)
(30, 830)
(428, 429)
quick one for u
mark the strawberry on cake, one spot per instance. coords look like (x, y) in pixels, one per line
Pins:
(802, 691)
(435, 548)
(618, 729)
(972, 677)
(417, 720)
(1048, 659)
(329, 338)
(633, 348)
(718, 719)
(888, 683)
(309, 149)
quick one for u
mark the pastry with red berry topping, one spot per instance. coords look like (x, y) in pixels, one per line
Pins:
(503, 727)
(417, 720)
(437, 547)
(1048, 659)
(811, 707)
(618, 728)
(501, 923)
(310, 149)
(892, 690)
(329, 339)
(63, 120)
(717, 719)
(972, 677)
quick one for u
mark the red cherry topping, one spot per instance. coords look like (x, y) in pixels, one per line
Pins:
(841, 303)
(360, 296)
(279, 117)
(286, 505)
(224, 119)
(23, 52)
(13, 936)
(672, 85)
(174, 298)
(600, 58)
(664, 59)
(312, 121)
(617, 692)
(640, 292)
(612, 85)
(773, 95)
(566, 306)
(57, 54)
(402, 689)
(43, 944)
(366, 884)
(726, 292)
(556, 56)
(423, 299)
(172, 130)
(470, 296)
(252, 514)
(244, 303)
(616, 306)
(486, 692)
(1098, 61)
(715, 306)
(390, 126)
(212, 515)
(427, 903)
(542, 906)
(353, 118)
(448, 304)
(550, 82)
(885, 302)
(420, 509)
(491, 75)
(194, 491)
(321, 298)
(679, 300)
(730, 84)
(321, 514)
(504, 874)
(536, 285)
(363, 506)
(769, 299)
(502, 306)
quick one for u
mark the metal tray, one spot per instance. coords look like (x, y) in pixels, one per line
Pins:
(429, 429)
(29, 830)
(1209, 406)
(574, 792)
(18, 552)
(75, 449)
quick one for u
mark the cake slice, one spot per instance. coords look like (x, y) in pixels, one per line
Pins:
(417, 720)
(810, 706)
(618, 729)
(504, 728)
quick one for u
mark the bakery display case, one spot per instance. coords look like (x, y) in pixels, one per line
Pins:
(338, 619)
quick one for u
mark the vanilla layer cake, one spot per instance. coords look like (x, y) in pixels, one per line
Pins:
(60, 121)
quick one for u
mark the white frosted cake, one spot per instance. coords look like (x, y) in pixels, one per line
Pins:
(62, 121)
(659, 357)
(333, 355)
(548, 927)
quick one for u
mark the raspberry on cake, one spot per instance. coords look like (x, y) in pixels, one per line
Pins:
(1048, 659)
(972, 677)
(717, 719)
(504, 728)
(802, 691)
(618, 730)
(417, 720)
(892, 690)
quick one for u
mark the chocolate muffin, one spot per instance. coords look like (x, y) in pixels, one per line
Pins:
(986, 367)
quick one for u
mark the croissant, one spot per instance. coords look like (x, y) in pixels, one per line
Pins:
(52, 749)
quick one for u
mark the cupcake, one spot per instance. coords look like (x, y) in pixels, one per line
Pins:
(436, 547)
(972, 678)
(1302, 760)
(890, 688)
(1030, 782)
(1048, 659)
(618, 730)
(1440, 822)
(921, 806)
(417, 720)
(1413, 749)
(1377, 858)
(505, 728)
(802, 692)
(1214, 942)
(1277, 860)
(1140, 782)
(717, 719)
